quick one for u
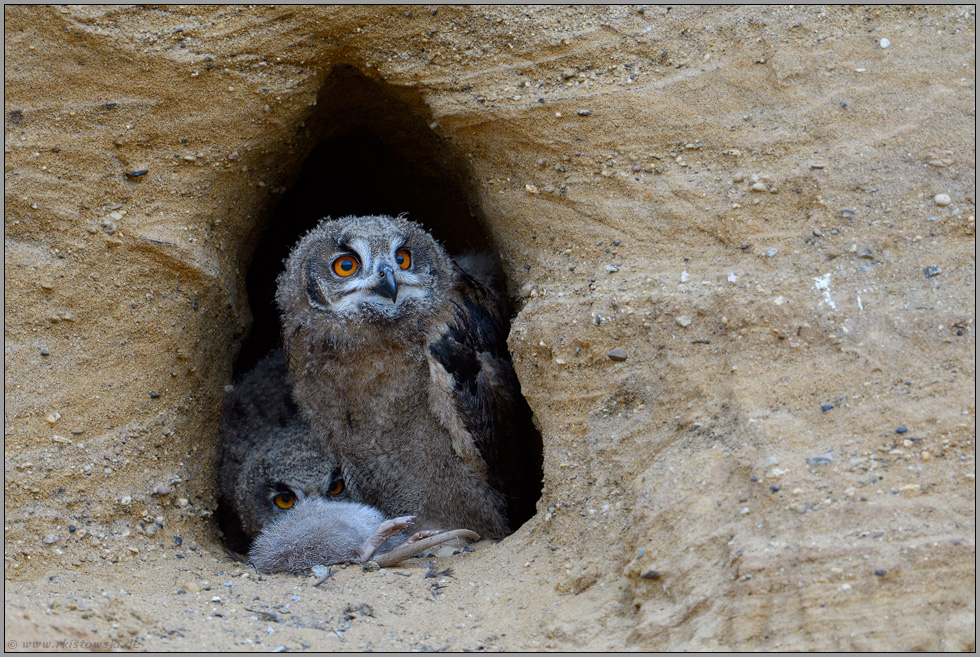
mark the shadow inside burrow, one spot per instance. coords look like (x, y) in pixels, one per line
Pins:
(375, 153)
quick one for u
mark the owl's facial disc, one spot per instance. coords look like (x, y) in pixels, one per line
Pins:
(381, 280)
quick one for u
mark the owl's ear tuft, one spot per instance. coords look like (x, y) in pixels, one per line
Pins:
(313, 291)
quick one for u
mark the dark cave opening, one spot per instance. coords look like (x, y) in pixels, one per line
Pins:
(375, 154)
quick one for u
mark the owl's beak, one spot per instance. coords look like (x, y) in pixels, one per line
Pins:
(387, 286)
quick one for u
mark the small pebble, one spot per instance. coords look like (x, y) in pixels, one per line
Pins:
(826, 407)
(818, 460)
(901, 430)
(72, 528)
(49, 539)
(866, 253)
(162, 489)
(881, 573)
(45, 352)
(137, 174)
(684, 321)
(611, 268)
(192, 587)
(107, 225)
(651, 574)
(758, 187)
(847, 213)
(584, 112)
(178, 540)
(932, 270)
(771, 252)
(154, 394)
(617, 354)
(884, 43)
(943, 200)
(774, 488)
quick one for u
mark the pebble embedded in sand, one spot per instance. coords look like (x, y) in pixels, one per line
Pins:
(884, 43)
(684, 321)
(942, 200)
(617, 354)
(932, 270)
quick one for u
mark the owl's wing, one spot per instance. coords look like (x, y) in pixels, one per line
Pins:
(478, 397)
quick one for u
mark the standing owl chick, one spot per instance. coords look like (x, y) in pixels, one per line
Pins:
(286, 493)
(400, 364)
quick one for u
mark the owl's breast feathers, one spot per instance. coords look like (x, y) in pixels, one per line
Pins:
(474, 390)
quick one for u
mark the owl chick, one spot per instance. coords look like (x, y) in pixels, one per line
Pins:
(286, 493)
(400, 363)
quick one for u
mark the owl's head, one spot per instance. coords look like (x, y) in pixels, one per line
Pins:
(376, 269)
(281, 475)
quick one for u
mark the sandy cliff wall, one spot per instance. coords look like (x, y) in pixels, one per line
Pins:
(742, 244)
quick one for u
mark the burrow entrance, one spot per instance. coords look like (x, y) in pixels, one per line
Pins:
(375, 153)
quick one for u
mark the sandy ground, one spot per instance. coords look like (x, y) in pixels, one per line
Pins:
(770, 212)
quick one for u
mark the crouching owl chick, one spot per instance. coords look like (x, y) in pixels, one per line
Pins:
(400, 364)
(287, 493)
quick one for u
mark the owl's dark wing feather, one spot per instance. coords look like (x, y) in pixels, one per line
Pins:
(486, 394)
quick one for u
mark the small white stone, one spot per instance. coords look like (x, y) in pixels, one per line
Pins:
(684, 321)
(884, 43)
(943, 200)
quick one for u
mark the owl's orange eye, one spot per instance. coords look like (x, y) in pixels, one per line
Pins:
(284, 500)
(336, 488)
(345, 266)
(403, 259)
